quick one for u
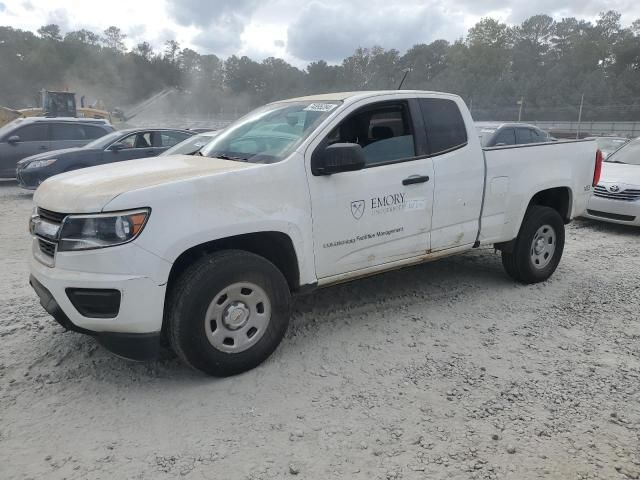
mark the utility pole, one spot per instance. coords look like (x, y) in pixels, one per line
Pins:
(521, 103)
(580, 117)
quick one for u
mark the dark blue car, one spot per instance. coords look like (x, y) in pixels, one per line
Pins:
(114, 147)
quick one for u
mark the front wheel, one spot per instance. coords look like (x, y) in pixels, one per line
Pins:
(228, 312)
(538, 247)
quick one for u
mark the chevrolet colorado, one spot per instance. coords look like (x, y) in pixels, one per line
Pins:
(204, 252)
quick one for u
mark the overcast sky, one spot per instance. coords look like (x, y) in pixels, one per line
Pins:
(298, 31)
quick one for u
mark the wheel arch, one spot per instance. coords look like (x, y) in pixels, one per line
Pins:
(558, 198)
(277, 247)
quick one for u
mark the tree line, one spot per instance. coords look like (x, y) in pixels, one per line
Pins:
(545, 63)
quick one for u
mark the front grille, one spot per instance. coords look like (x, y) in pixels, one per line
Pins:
(628, 195)
(49, 216)
(612, 216)
(48, 248)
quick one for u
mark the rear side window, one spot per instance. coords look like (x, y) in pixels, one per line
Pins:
(538, 136)
(445, 126)
(169, 139)
(67, 131)
(93, 132)
(32, 133)
(523, 135)
(506, 136)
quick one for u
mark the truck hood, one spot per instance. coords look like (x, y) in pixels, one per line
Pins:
(620, 173)
(90, 189)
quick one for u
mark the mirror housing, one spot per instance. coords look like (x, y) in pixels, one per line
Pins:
(116, 147)
(13, 139)
(336, 158)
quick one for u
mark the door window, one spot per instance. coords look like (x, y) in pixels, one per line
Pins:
(66, 131)
(383, 132)
(32, 133)
(169, 139)
(137, 140)
(506, 136)
(538, 136)
(445, 126)
(93, 132)
(523, 135)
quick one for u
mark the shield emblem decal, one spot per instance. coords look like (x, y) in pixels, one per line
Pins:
(357, 209)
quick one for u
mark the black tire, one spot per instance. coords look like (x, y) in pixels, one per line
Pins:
(519, 263)
(193, 294)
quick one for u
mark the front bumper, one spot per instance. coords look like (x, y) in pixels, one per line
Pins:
(132, 329)
(613, 211)
(30, 179)
(134, 346)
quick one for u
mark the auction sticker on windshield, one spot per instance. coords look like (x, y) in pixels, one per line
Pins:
(321, 107)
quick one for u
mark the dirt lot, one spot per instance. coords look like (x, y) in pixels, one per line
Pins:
(446, 370)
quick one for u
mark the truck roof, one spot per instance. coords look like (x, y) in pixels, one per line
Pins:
(357, 95)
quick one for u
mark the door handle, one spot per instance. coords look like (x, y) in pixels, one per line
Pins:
(415, 179)
(43, 147)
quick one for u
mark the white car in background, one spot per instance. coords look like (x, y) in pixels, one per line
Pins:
(616, 198)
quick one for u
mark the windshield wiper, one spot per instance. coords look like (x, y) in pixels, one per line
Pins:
(222, 156)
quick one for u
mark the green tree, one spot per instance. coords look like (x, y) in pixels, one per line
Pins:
(114, 38)
(50, 32)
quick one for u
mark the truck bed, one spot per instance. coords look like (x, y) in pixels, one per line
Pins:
(515, 173)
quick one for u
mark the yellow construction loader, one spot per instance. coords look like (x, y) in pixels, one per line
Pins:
(54, 104)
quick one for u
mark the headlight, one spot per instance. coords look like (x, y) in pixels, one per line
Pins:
(85, 232)
(41, 163)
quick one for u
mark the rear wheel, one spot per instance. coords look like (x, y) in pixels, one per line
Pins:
(538, 247)
(228, 312)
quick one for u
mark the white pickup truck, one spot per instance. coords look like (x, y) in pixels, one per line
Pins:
(204, 252)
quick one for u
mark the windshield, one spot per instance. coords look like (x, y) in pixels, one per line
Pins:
(270, 133)
(9, 127)
(629, 153)
(485, 134)
(610, 145)
(191, 145)
(102, 142)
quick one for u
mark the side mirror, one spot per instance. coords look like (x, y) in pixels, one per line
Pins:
(116, 147)
(336, 158)
(13, 139)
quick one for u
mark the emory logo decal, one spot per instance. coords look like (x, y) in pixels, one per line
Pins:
(357, 209)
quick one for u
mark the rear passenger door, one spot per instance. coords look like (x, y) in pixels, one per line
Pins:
(381, 214)
(67, 135)
(459, 173)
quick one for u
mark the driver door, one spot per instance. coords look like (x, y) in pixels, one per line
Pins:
(136, 145)
(379, 214)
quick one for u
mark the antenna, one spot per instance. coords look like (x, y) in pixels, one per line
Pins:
(406, 72)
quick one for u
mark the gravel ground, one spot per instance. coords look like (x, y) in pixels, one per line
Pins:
(445, 370)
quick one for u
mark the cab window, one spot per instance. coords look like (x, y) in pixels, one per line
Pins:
(384, 133)
(444, 124)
